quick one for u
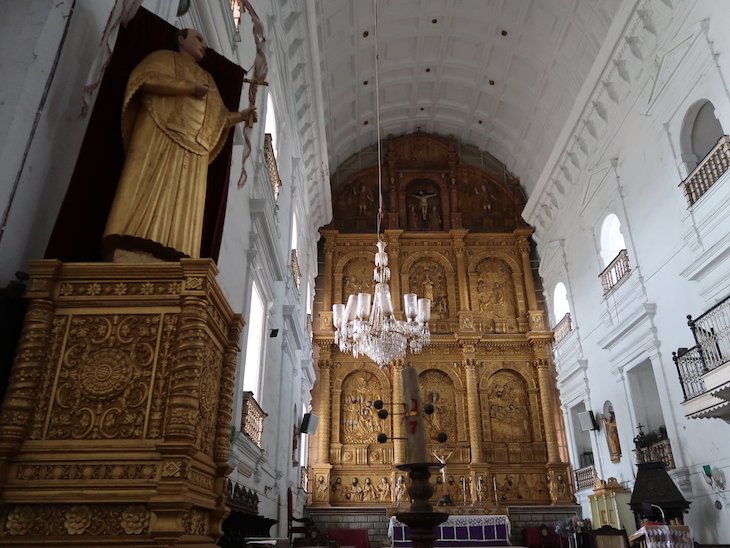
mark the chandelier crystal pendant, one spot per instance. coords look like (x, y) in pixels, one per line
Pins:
(366, 325)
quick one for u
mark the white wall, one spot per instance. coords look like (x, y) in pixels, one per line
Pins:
(620, 348)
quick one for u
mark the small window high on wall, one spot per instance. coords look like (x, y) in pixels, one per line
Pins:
(561, 312)
(270, 123)
(705, 150)
(613, 254)
(706, 131)
(254, 342)
(561, 307)
(612, 240)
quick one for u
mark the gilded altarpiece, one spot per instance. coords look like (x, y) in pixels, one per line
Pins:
(116, 423)
(454, 234)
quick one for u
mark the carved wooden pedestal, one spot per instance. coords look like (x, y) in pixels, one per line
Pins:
(115, 429)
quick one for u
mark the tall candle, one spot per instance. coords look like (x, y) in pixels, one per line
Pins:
(415, 432)
(494, 483)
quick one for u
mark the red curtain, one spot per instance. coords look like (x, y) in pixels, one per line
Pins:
(82, 218)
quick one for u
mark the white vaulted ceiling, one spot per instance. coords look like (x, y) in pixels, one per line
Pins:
(502, 75)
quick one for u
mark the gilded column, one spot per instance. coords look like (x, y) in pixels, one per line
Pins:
(399, 446)
(329, 249)
(323, 438)
(548, 417)
(31, 360)
(227, 389)
(524, 247)
(472, 403)
(461, 269)
(393, 251)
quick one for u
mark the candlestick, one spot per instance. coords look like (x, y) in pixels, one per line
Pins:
(415, 435)
(494, 483)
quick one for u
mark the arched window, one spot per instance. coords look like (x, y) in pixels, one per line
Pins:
(254, 342)
(704, 131)
(612, 240)
(560, 302)
(270, 123)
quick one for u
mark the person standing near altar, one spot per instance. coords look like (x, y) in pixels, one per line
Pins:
(174, 123)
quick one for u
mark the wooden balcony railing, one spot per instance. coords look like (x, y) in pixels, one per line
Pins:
(585, 478)
(659, 451)
(615, 271)
(296, 272)
(252, 419)
(272, 167)
(563, 327)
(690, 368)
(708, 171)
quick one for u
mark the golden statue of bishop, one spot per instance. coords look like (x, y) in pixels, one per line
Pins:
(174, 123)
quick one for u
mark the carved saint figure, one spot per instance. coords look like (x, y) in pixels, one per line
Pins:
(369, 494)
(480, 489)
(338, 490)
(400, 490)
(384, 493)
(422, 199)
(356, 491)
(614, 445)
(174, 123)
(320, 492)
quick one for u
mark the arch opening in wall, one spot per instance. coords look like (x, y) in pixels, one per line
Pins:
(701, 131)
(612, 239)
(561, 306)
(270, 123)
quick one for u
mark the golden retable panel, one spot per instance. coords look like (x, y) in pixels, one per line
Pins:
(488, 371)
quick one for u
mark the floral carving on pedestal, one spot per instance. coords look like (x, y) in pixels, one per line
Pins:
(19, 521)
(77, 519)
(104, 377)
(135, 519)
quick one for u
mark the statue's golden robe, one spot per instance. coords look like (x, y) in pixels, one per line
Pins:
(170, 136)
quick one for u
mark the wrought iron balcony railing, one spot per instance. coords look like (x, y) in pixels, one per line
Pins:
(711, 332)
(252, 419)
(563, 327)
(615, 271)
(585, 478)
(709, 170)
(272, 167)
(659, 451)
(690, 368)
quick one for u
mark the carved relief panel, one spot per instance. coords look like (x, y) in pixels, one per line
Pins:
(357, 277)
(359, 420)
(494, 297)
(428, 279)
(438, 390)
(506, 403)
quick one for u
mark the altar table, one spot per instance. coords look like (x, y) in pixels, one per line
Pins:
(458, 531)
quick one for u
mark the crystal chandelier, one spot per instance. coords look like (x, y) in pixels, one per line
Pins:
(367, 325)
